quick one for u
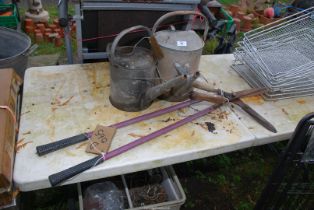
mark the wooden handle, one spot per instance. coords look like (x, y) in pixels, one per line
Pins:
(208, 97)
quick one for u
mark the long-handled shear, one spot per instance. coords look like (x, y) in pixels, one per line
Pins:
(61, 176)
(218, 96)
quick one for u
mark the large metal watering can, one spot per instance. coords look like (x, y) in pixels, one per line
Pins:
(179, 47)
(134, 82)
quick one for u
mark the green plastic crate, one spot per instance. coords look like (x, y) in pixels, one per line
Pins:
(9, 21)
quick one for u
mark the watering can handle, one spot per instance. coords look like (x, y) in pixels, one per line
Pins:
(123, 33)
(175, 13)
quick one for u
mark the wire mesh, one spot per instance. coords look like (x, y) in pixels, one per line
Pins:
(280, 56)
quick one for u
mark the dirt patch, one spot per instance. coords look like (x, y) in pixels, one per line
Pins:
(146, 189)
(210, 126)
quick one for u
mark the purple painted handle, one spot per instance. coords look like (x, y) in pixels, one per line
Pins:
(150, 115)
(61, 176)
(160, 132)
(54, 146)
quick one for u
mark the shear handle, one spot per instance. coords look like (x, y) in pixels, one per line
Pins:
(207, 97)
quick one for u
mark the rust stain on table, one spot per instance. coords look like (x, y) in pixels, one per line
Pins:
(301, 101)
(258, 100)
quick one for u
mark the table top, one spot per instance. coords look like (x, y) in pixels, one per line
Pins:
(62, 101)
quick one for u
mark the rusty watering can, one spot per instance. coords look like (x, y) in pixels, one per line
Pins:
(183, 48)
(134, 81)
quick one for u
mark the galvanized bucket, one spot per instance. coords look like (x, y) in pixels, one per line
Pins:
(179, 47)
(14, 50)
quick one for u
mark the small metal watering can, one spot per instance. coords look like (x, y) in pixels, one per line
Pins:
(134, 82)
(183, 48)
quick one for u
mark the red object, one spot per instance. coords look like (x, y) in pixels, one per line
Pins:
(269, 12)
(57, 30)
(234, 9)
(41, 26)
(45, 23)
(39, 37)
(29, 29)
(53, 26)
(240, 15)
(28, 22)
(6, 14)
(48, 30)
(246, 24)
(36, 31)
(237, 21)
(251, 15)
(58, 41)
(47, 37)
(229, 12)
(61, 33)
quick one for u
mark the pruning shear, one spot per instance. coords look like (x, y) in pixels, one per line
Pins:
(219, 96)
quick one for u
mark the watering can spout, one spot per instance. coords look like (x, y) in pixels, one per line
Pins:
(156, 91)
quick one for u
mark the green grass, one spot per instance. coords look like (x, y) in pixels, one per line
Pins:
(227, 2)
(210, 46)
(235, 178)
(46, 48)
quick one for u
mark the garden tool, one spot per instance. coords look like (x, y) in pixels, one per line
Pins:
(59, 177)
(181, 91)
(57, 145)
(218, 95)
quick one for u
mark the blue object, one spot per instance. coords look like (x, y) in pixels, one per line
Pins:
(281, 9)
(277, 10)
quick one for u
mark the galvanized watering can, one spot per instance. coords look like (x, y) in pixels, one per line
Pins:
(179, 47)
(134, 82)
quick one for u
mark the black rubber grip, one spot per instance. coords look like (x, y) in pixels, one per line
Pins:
(51, 147)
(61, 176)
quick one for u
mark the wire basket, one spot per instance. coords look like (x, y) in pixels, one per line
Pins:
(280, 56)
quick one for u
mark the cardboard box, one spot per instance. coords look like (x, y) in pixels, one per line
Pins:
(10, 84)
(7, 198)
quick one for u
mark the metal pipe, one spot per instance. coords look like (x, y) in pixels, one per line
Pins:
(68, 44)
(78, 21)
(64, 23)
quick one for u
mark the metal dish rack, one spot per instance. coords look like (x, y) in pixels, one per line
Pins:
(280, 56)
